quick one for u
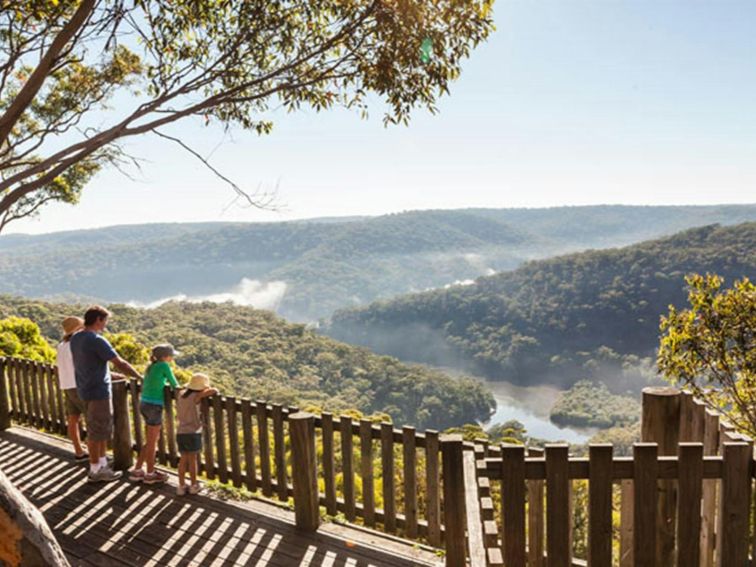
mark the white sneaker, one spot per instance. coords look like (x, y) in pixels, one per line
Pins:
(195, 489)
(105, 474)
(180, 490)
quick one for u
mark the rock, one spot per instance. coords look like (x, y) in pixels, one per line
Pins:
(26, 539)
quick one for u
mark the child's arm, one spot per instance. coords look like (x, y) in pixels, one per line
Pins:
(206, 393)
(171, 377)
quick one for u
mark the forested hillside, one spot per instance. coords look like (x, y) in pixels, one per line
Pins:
(588, 315)
(253, 353)
(306, 270)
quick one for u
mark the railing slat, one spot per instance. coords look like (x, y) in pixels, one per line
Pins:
(329, 474)
(220, 437)
(709, 506)
(387, 473)
(689, 503)
(279, 451)
(170, 426)
(347, 467)
(600, 506)
(452, 462)
(513, 504)
(44, 407)
(410, 481)
(63, 421)
(735, 503)
(558, 516)
(432, 488)
(627, 515)
(28, 403)
(645, 492)
(536, 528)
(250, 473)
(36, 415)
(476, 550)
(135, 415)
(233, 441)
(368, 485)
(207, 433)
(263, 442)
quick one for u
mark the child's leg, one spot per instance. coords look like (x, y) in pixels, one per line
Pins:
(182, 468)
(193, 467)
(150, 446)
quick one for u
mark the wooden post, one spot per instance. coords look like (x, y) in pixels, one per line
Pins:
(454, 499)
(123, 458)
(304, 471)
(5, 419)
(660, 424)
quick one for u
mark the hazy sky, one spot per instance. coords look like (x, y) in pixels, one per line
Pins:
(570, 102)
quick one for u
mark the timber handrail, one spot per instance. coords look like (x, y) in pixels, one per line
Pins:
(484, 504)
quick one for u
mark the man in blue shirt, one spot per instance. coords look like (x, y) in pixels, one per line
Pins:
(91, 354)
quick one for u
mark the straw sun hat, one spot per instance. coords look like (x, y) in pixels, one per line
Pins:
(199, 382)
(72, 324)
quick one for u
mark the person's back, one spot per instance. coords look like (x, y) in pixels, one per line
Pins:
(188, 413)
(91, 353)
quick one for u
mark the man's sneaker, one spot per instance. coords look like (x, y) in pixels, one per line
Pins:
(136, 475)
(195, 489)
(180, 490)
(155, 477)
(105, 474)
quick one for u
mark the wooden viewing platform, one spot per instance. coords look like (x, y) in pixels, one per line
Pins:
(683, 499)
(126, 524)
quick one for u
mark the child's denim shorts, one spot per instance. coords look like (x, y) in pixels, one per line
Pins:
(189, 442)
(152, 413)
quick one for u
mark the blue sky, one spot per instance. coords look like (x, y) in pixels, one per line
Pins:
(569, 103)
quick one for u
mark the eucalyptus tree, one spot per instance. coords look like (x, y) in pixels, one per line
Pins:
(80, 77)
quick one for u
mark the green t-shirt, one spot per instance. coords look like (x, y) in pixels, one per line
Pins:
(159, 374)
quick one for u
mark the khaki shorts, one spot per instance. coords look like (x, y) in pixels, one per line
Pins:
(74, 404)
(99, 419)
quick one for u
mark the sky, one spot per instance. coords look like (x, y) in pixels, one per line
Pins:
(568, 103)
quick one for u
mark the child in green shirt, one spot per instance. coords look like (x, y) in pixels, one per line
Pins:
(159, 375)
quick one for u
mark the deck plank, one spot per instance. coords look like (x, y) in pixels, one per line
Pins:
(122, 524)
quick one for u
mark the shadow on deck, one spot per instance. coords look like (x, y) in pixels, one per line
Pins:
(131, 524)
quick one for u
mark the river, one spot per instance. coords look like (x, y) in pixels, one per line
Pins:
(530, 406)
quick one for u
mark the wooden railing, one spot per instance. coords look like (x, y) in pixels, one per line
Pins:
(683, 498)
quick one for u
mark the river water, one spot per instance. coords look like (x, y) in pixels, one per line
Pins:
(530, 406)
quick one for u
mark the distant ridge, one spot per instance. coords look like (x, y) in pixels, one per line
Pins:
(323, 264)
(590, 314)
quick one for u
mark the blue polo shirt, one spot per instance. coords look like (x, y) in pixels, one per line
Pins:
(91, 353)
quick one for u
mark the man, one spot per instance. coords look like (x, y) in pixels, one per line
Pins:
(67, 379)
(91, 355)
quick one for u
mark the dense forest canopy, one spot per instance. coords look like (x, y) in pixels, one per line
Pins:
(255, 354)
(313, 268)
(588, 315)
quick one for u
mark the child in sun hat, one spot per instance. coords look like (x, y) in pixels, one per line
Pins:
(67, 379)
(189, 431)
(159, 375)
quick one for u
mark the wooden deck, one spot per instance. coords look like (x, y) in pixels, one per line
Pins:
(121, 523)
